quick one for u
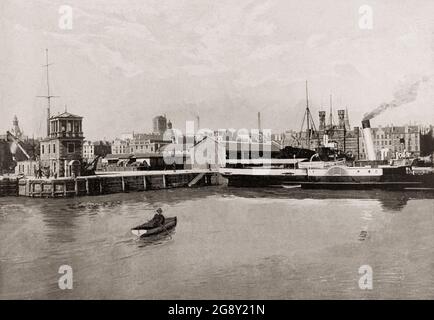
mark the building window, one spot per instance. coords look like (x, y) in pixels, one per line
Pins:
(71, 147)
(54, 148)
(43, 149)
(49, 149)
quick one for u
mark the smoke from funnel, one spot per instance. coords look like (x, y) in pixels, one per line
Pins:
(405, 94)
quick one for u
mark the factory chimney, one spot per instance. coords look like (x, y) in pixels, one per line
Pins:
(259, 127)
(369, 143)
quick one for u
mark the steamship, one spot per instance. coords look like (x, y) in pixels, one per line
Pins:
(324, 169)
(318, 171)
(397, 175)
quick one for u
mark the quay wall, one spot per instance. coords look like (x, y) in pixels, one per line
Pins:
(114, 183)
(8, 187)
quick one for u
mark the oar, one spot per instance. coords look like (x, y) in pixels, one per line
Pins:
(161, 224)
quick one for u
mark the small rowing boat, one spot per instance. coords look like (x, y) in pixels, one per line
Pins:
(149, 228)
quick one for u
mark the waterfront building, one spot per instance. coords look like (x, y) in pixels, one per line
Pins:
(145, 142)
(62, 150)
(133, 143)
(427, 141)
(92, 149)
(140, 143)
(338, 136)
(207, 153)
(143, 161)
(16, 147)
(120, 146)
(392, 142)
(6, 161)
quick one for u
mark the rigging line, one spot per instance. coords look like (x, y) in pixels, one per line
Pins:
(302, 123)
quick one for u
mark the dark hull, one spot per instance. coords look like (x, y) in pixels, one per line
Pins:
(387, 181)
(361, 185)
(146, 230)
(263, 181)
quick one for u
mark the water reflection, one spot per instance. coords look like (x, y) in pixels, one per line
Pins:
(394, 203)
(155, 240)
(60, 224)
(389, 200)
(263, 243)
(93, 205)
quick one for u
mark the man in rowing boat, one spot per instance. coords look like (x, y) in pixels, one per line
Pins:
(158, 218)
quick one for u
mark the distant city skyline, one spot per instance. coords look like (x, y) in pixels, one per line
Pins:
(124, 62)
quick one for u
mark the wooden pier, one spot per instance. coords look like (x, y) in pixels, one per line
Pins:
(115, 182)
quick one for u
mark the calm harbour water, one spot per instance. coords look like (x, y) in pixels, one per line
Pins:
(229, 243)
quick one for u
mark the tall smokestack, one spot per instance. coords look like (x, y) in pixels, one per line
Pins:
(259, 121)
(369, 143)
(259, 128)
(331, 112)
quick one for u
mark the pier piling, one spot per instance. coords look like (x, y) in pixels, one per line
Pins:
(108, 183)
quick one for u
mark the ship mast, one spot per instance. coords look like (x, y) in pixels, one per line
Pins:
(310, 124)
(307, 116)
(48, 96)
(331, 112)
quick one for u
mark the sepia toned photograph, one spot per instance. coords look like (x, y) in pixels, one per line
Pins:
(216, 150)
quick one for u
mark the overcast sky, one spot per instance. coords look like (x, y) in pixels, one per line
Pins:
(124, 62)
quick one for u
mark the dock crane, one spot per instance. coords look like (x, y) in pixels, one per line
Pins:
(17, 142)
(88, 169)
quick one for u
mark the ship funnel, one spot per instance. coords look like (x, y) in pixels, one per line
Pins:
(369, 143)
(322, 116)
(259, 121)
